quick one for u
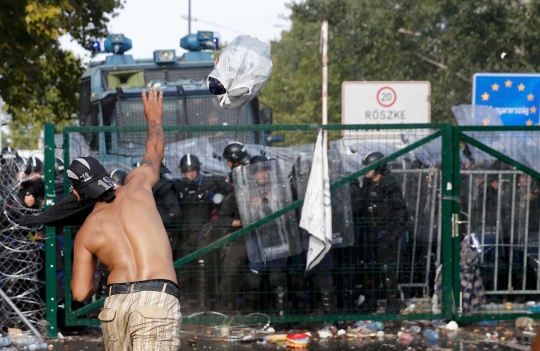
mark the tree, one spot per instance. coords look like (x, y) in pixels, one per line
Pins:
(444, 42)
(39, 80)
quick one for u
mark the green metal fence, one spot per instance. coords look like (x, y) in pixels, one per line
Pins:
(423, 159)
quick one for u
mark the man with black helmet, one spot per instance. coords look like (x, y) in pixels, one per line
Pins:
(234, 254)
(200, 197)
(269, 245)
(385, 217)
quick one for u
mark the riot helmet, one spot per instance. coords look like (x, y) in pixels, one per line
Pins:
(260, 167)
(58, 167)
(190, 162)
(34, 165)
(118, 176)
(236, 152)
(373, 157)
(9, 153)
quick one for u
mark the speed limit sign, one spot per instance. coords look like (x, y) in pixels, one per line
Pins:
(385, 102)
(386, 96)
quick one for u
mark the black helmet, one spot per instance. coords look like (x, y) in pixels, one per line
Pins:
(118, 176)
(34, 165)
(190, 162)
(9, 153)
(236, 153)
(260, 163)
(58, 166)
(373, 157)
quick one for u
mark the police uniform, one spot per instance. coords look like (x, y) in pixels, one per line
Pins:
(385, 217)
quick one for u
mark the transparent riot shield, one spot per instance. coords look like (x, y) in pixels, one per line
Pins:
(342, 223)
(262, 189)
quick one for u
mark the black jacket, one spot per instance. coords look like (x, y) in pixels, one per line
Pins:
(382, 206)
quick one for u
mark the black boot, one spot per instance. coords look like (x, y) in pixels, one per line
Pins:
(392, 293)
(328, 301)
(251, 302)
(281, 305)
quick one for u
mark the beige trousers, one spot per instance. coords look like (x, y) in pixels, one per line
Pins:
(141, 321)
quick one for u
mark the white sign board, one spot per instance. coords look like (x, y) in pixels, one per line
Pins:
(385, 102)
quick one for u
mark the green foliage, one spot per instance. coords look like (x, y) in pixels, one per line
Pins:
(38, 80)
(444, 42)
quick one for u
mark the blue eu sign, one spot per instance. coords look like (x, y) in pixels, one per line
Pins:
(516, 97)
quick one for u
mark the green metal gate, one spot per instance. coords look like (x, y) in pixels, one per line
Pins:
(402, 145)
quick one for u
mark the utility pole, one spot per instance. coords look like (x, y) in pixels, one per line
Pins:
(189, 16)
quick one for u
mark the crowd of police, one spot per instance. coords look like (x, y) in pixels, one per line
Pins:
(266, 269)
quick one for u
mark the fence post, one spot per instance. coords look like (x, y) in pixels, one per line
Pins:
(447, 193)
(456, 211)
(51, 304)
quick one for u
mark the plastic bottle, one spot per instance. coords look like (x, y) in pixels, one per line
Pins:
(38, 346)
(431, 334)
(375, 326)
(5, 341)
(414, 329)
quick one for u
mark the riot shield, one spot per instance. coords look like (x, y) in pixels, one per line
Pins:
(262, 189)
(342, 222)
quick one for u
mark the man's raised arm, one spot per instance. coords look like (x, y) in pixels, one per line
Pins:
(148, 172)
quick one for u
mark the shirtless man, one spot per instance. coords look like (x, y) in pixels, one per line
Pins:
(125, 234)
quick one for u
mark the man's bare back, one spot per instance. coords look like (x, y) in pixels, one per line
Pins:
(125, 234)
(128, 237)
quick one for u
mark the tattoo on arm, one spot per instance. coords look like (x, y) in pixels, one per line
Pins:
(155, 130)
(147, 162)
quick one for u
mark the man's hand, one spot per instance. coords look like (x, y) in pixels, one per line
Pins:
(236, 223)
(153, 105)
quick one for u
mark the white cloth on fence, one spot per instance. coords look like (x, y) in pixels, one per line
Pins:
(316, 216)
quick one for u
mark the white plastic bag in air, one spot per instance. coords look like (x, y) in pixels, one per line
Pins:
(243, 67)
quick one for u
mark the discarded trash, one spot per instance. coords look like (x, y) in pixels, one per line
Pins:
(324, 334)
(224, 330)
(270, 330)
(431, 334)
(5, 341)
(524, 322)
(297, 340)
(341, 332)
(22, 339)
(241, 70)
(375, 326)
(38, 346)
(452, 326)
(414, 329)
(380, 334)
(405, 337)
(276, 337)
(535, 309)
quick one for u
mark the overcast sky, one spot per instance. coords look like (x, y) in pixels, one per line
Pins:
(158, 24)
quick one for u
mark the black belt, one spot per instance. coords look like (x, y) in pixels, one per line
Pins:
(147, 285)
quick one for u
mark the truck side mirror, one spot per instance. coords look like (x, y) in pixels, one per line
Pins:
(267, 115)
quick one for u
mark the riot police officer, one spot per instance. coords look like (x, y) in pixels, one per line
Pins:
(261, 202)
(385, 217)
(200, 197)
(234, 254)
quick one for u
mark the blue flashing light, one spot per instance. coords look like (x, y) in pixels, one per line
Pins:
(203, 40)
(96, 47)
(117, 44)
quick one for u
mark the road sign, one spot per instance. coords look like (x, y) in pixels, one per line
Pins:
(515, 96)
(385, 102)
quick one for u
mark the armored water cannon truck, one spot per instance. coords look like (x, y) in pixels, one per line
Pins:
(110, 94)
